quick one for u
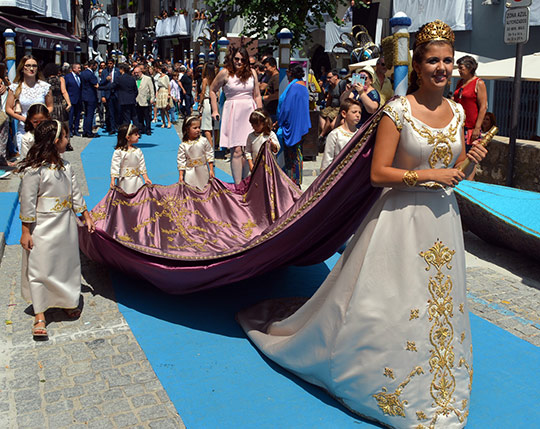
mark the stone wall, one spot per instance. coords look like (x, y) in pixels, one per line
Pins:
(526, 166)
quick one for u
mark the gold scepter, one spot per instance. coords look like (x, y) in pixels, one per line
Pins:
(484, 141)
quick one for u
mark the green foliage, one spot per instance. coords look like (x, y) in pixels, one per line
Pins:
(265, 18)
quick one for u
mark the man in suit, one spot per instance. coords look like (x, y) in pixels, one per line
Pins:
(73, 87)
(89, 84)
(126, 91)
(145, 99)
(108, 96)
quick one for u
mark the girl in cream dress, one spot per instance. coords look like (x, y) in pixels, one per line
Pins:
(50, 199)
(195, 159)
(262, 133)
(127, 165)
(387, 333)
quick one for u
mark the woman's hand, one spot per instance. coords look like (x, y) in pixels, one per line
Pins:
(68, 107)
(89, 222)
(477, 152)
(215, 116)
(359, 88)
(26, 241)
(476, 134)
(274, 147)
(448, 176)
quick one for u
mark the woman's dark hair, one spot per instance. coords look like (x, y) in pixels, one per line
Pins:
(259, 116)
(209, 72)
(50, 69)
(469, 63)
(492, 120)
(244, 72)
(35, 109)
(44, 150)
(187, 124)
(164, 69)
(419, 54)
(296, 71)
(121, 142)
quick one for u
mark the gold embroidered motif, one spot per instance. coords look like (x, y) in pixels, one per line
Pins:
(394, 116)
(464, 404)
(125, 238)
(440, 140)
(61, 205)
(411, 346)
(461, 308)
(389, 373)
(130, 172)
(389, 403)
(414, 314)
(195, 162)
(440, 310)
(420, 415)
(462, 337)
(248, 228)
(81, 209)
(463, 362)
(98, 215)
(27, 219)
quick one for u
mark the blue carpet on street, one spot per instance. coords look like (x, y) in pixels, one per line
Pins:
(217, 379)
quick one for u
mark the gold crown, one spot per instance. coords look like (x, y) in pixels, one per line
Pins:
(436, 30)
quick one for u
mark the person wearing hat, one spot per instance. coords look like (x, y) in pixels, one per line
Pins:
(368, 96)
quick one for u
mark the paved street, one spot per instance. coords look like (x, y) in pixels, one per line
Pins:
(92, 372)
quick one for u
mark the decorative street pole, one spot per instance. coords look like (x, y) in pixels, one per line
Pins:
(223, 44)
(191, 58)
(212, 56)
(202, 57)
(285, 37)
(9, 44)
(58, 54)
(28, 44)
(78, 51)
(400, 24)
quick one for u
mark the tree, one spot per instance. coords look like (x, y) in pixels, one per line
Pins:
(265, 18)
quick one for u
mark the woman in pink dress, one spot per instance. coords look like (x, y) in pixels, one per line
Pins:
(241, 88)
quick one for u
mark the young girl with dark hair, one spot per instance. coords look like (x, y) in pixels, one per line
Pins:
(262, 133)
(195, 155)
(50, 201)
(127, 165)
(37, 113)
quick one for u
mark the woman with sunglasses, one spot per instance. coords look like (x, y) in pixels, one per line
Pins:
(27, 88)
(241, 88)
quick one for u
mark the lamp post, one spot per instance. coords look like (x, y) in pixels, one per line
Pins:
(212, 56)
(285, 37)
(202, 57)
(400, 24)
(9, 45)
(78, 51)
(28, 44)
(223, 45)
(58, 54)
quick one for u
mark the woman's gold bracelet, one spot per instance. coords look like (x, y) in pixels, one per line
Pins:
(410, 178)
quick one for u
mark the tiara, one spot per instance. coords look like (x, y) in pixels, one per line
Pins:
(436, 30)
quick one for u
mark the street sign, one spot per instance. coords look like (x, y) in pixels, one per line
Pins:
(518, 3)
(516, 25)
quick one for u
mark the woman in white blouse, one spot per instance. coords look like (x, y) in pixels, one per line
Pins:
(27, 88)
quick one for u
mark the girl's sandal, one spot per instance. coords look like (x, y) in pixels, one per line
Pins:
(73, 313)
(40, 334)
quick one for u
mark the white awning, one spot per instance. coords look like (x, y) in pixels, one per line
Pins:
(504, 69)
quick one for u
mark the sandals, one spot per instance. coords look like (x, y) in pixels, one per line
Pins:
(169, 126)
(73, 313)
(40, 334)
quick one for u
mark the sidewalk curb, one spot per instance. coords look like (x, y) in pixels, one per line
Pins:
(9, 202)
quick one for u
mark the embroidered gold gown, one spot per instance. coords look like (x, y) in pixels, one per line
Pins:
(51, 271)
(388, 332)
(193, 157)
(128, 166)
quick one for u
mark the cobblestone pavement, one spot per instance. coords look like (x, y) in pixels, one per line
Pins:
(92, 372)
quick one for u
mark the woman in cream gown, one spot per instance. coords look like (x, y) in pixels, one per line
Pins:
(387, 334)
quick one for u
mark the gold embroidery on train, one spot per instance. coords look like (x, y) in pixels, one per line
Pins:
(389, 402)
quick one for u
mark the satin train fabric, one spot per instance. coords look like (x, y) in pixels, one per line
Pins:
(182, 239)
